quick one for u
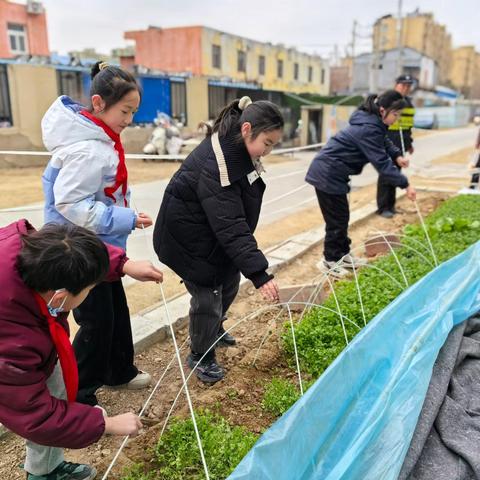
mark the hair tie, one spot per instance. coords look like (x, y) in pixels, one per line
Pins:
(244, 102)
(103, 65)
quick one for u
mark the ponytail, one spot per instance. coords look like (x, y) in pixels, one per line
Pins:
(263, 116)
(111, 83)
(391, 100)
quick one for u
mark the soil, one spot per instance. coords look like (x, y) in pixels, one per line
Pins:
(23, 185)
(238, 397)
(460, 157)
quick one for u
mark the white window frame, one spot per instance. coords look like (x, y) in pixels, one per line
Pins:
(17, 31)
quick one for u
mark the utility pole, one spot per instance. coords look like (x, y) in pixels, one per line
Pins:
(354, 36)
(352, 63)
(399, 39)
(374, 65)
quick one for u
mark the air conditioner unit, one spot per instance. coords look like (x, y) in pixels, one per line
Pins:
(34, 7)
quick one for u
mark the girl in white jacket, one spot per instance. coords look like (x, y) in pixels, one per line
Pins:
(85, 183)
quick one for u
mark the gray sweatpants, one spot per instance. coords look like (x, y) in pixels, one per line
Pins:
(208, 306)
(41, 460)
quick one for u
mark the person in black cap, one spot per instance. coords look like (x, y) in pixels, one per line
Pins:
(400, 133)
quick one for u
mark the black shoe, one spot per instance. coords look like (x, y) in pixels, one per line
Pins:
(67, 471)
(386, 214)
(208, 370)
(226, 339)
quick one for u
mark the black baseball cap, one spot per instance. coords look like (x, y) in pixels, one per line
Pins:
(408, 79)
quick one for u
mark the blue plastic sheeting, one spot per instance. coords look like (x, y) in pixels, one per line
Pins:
(356, 422)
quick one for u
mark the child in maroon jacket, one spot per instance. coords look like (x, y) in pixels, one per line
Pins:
(43, 275)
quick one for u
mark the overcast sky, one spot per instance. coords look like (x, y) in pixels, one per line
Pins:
(311, 25)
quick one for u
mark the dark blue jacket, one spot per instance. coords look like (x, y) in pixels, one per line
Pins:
(347, 152)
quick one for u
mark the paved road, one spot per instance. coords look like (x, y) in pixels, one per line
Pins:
(281, 179)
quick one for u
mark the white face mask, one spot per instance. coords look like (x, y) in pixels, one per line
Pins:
(54, 311)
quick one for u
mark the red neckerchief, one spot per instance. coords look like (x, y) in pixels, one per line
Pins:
(64, 348)
(121, 176)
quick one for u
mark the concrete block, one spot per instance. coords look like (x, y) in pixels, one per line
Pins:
(288, 252)
(310, 238)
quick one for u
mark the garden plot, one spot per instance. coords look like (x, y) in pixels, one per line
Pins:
(240, 399)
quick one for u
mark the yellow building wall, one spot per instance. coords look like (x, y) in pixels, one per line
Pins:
(231, 44)
(32, 90)
(197, 101)
(465, 71)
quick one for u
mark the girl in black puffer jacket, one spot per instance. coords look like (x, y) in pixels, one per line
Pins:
(204, 230)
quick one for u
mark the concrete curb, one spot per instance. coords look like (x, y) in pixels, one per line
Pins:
(151, 325)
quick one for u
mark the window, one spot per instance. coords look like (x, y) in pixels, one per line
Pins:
(5, 111)
(241, 61)
(216, 56)
(261, 65)
(322, 76)
(295, 71)
(280, 68)
(70, 83)
(310, 74)
(17, 38)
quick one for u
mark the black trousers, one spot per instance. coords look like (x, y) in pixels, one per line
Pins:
(386, 196)
(475, 176)
(103, 345)
(208, 307)
(336, 213)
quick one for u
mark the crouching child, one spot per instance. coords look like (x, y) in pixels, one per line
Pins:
(43, 275)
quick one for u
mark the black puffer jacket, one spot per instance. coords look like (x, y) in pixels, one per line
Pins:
(346, 153)
(204, 231)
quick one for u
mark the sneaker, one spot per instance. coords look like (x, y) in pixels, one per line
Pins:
(141, 380)
(208, 370)
(67, 471)
(386, 214)
(226, 339)
(349, 261)
(333, 268)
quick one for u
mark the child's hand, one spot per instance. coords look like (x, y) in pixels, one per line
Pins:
(411, 193)
(270, 292)
(142, 270)
(125, 424)
(143, 221)
(403, 162)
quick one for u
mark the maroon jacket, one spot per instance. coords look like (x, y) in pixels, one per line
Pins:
(28, 356)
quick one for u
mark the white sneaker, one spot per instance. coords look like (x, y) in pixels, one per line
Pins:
(333, 268)
(142, 380)
(349, 261)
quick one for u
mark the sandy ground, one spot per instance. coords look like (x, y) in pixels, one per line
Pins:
(22, 186)
(239, 396)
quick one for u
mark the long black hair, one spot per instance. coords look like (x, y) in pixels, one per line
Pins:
(111, 83)
(263, 116)
(390, 100)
